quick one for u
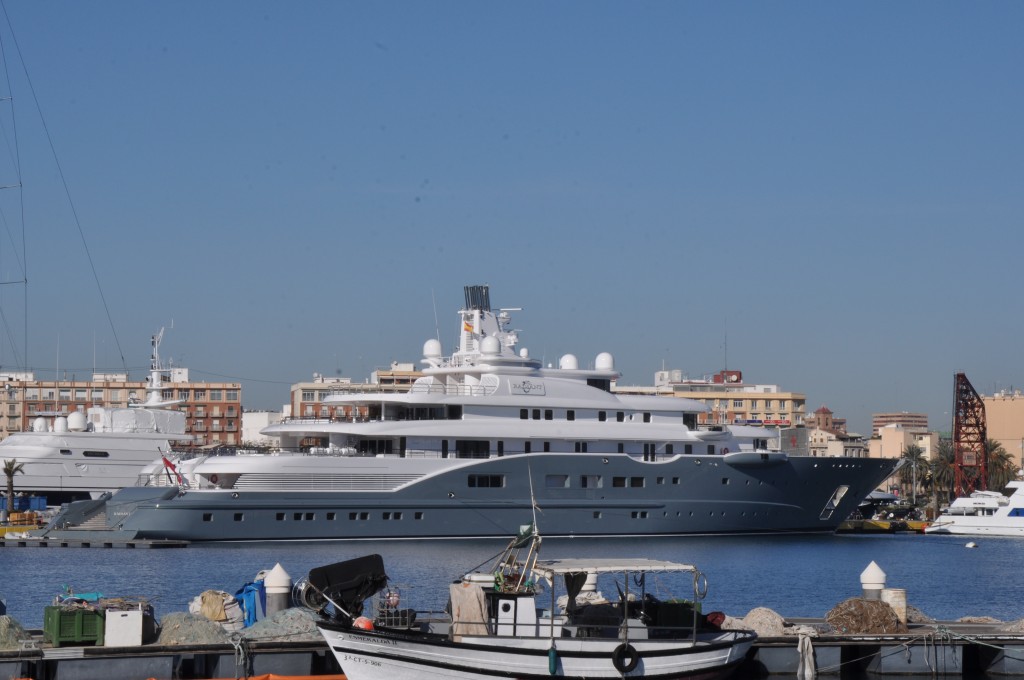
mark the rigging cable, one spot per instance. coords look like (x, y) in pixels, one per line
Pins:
(67, 190)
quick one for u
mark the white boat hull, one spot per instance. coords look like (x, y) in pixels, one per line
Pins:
(385, 656)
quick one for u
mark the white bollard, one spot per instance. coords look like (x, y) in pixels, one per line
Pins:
(872, 580)
(279, 589)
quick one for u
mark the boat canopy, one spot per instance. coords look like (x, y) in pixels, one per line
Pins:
(608, 566)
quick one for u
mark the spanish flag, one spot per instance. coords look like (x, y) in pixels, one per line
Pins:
(467, 326)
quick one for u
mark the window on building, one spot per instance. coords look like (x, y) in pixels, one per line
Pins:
(231, 395)
(215, 395)
(200, 395)
(308, 395)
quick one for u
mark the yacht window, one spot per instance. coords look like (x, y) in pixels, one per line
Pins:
(590, 481)
(675, 480)
(547, 447)
(526, 446)
(310, 516)
(636, 482)
(501, 448)
(711, 449)
(647, 417)
(524, 414)
(619, 482)
(622, 447)
(570, 415)
(331, 516)
(472, 448)
(602, 416)
(668, 449)
(65, 452)
(597, 514)
(581, 447)
(556, 481)
(688, 449)
(239, 517)
(639, 514)
(418, 515)
(280, 517)
(536, 414)
(661, 480)
(549, 414)
(486, 481)
(620, 416)
(297, 516)
(207, 516)
(95, 454)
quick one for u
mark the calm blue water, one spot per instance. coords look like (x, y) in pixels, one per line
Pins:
(795, 576)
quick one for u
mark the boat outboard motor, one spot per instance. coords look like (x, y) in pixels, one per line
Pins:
(338, 590)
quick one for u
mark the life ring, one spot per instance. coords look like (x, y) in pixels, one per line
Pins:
(725, 450)
(214, 479)
(625, 658)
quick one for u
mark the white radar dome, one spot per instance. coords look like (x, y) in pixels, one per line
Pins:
(490, 345)
(432, 349)
(568, 362)
(39, 424)
(524, 353)
(76, 421)
(604, 362)
(60, 424)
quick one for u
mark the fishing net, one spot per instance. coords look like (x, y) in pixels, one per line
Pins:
(11, 633)
(858, 616)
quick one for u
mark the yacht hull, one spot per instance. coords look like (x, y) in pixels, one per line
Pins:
(626, 497)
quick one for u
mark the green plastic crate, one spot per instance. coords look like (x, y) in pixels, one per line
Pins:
(72, 626)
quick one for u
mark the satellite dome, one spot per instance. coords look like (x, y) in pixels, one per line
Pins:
(76, 421)
(39, 424)
(604, 362)
(524, 353)
(60, 424)
(432, 349)
(490, 345)
(568, 362)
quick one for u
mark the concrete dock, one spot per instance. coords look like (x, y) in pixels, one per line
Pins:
(940, 650)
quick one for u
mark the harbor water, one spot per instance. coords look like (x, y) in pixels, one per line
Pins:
(797, 576)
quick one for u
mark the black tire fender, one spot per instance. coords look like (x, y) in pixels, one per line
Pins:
(625, 658)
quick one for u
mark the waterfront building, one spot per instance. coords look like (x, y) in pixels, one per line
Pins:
(1004, 419)
(252, 424)
(307, 399)
(910, 421)
(213, 410)
(892, 440)
(827, 436)
(730, 400)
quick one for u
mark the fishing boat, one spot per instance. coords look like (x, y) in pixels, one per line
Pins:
(984, 513)
(525, 618)
(453, 456)
(68, 456)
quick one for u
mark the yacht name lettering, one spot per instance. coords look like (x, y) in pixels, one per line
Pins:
(527, 387)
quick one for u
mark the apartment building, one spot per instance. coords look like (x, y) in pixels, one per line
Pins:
(213, 409)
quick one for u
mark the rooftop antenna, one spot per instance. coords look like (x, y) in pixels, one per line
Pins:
(437, 325)
(725, 345)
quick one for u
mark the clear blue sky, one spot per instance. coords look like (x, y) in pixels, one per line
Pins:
(836, 186)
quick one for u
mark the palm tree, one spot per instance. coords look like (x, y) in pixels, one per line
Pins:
(913, 473)
(1002, 468)
(941, 472)
(11, 468)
